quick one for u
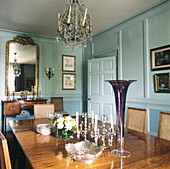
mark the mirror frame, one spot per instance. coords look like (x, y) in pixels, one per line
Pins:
(25, 41)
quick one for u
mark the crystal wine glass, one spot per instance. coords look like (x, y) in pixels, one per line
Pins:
(50, 117)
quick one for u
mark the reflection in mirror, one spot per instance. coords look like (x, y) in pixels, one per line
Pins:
(21, 66)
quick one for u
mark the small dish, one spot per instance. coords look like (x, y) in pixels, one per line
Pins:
(84, 151)
(45, 129)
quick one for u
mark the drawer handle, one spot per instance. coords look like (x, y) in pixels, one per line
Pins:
(24, 105)
(12, 108)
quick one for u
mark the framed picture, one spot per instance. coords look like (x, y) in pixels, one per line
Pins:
(162, 83)
(29, 82)
(68, 63)
(160, 58)
(68, 81)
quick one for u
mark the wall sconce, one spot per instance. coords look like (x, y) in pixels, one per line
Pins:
(50, 72)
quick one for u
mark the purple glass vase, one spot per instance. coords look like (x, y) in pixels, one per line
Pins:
(120, 88)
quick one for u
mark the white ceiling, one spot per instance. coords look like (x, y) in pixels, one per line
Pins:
(40, 16)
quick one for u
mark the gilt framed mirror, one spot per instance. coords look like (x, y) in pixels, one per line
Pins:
(22, 65)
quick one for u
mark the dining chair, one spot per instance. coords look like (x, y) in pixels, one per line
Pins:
(4, 153)
(58, 103)
(164, 126)
(42, 110)
(136, 119)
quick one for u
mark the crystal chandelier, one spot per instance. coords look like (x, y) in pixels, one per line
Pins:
(16, 67)
(74, 26)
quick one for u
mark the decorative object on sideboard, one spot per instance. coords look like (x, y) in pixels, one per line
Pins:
(13, 96)
(162, 83)
(24, 94)
(160, 58)
(39, 96)
(74, 26)
(16, 67)
(49, 72)
(68, 63)
(68, 81)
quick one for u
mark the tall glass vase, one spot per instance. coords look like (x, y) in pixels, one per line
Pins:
(120, 88)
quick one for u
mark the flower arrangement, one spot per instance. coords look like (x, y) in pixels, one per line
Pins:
(66, 126)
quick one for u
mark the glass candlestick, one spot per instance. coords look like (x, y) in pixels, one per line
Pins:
(120, 88)
(13, 96)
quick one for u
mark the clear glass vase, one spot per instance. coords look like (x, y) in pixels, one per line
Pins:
(120, 88)
(65, 134)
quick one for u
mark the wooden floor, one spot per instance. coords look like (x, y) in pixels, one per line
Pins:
(17, 156)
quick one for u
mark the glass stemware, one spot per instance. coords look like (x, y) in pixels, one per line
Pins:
(51, 117)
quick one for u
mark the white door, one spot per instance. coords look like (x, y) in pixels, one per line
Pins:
(100, 93)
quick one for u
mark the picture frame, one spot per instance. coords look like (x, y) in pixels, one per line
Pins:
(162, 83)
(29, 82)
(68, 63)
(68, 81)
(160, 58)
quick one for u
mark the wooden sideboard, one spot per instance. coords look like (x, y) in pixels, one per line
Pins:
(13, 108)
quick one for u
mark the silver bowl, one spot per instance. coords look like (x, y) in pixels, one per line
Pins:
(45, 129)
(84, 151)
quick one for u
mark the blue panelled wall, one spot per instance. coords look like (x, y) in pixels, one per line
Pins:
(50, 55)
(132, 40)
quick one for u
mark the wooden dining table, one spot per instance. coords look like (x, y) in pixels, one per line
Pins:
(48, 152)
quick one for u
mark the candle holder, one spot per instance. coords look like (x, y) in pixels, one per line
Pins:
(13, 96)
(102, 133)
(49, 72)
(84, 123)
(8, 95)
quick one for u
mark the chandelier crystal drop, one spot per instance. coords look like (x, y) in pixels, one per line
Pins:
(16, 67)
(74, 26)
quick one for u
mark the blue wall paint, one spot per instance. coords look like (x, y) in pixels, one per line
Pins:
(50, 55)
(133, 40)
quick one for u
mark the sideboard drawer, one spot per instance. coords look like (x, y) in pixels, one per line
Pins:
(12, 109)
(40, 102)
(26, 104)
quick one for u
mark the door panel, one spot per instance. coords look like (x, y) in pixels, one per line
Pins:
(94, 67)
(100, 93)
(107, 65)
(95, 84)
(107, 88)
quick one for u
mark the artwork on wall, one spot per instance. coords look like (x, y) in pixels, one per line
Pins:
(68, 63)
(160, 58)
(29, 82)
(162, 83)
(68, 81)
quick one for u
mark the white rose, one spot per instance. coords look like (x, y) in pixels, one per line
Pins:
(60, 120)
(73, 122)
(68, 118)
(68, 125)
(60, 125)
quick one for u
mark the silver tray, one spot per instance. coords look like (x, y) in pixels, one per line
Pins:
(84, 151)
(45, 129)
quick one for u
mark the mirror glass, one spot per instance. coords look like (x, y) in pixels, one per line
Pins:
(21, 67)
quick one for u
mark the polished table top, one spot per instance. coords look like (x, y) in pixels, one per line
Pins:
(48, 152)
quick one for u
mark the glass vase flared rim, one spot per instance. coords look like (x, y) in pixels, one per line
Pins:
(120, 81)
